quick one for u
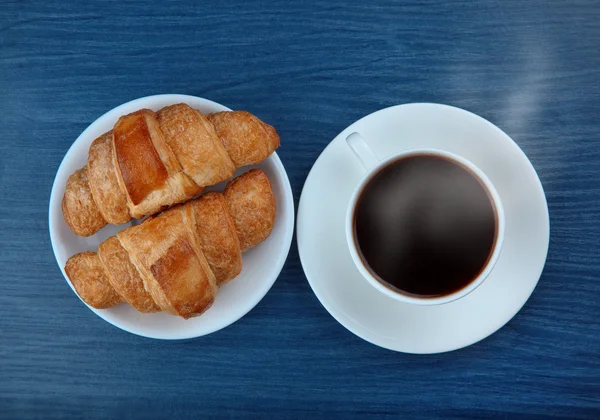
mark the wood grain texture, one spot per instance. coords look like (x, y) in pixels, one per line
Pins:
(309, 68)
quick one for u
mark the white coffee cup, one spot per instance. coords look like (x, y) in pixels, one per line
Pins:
(372, 165)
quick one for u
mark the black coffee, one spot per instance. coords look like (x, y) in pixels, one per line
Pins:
(425, 226)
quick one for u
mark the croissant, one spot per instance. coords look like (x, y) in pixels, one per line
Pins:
(152, 160)
(176, 261)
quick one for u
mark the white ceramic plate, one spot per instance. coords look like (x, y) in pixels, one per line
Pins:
(378, 318)
(261, 265)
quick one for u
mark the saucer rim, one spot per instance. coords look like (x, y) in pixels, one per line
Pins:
(339, 314)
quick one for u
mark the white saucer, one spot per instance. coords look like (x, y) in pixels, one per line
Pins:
(379, 319)
(261, 265)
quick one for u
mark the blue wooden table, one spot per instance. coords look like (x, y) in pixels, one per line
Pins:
(310, 68)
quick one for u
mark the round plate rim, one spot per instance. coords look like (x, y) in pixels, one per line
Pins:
(278, 264)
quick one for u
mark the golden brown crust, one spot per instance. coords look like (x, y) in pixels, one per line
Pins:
(172, 266)
(104, 185)
(179, 273)
(147, 168)
(142, 171)
(155, 164)
(197, 147)
(78, 206)
(123, 276)
(216, 233)
(87, 277)
(134, 240)
(246, 139)
(251, 204)
(176, 260)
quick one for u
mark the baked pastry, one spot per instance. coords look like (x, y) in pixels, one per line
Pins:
(153, 160)
(176, 261)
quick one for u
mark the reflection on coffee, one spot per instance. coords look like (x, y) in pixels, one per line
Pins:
(425, 226)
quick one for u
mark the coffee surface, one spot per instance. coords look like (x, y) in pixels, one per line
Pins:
(425, 226)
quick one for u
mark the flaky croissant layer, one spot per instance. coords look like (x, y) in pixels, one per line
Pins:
(176, 261)
(152, 160)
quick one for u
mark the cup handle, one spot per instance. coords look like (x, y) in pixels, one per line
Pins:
(363, 152)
